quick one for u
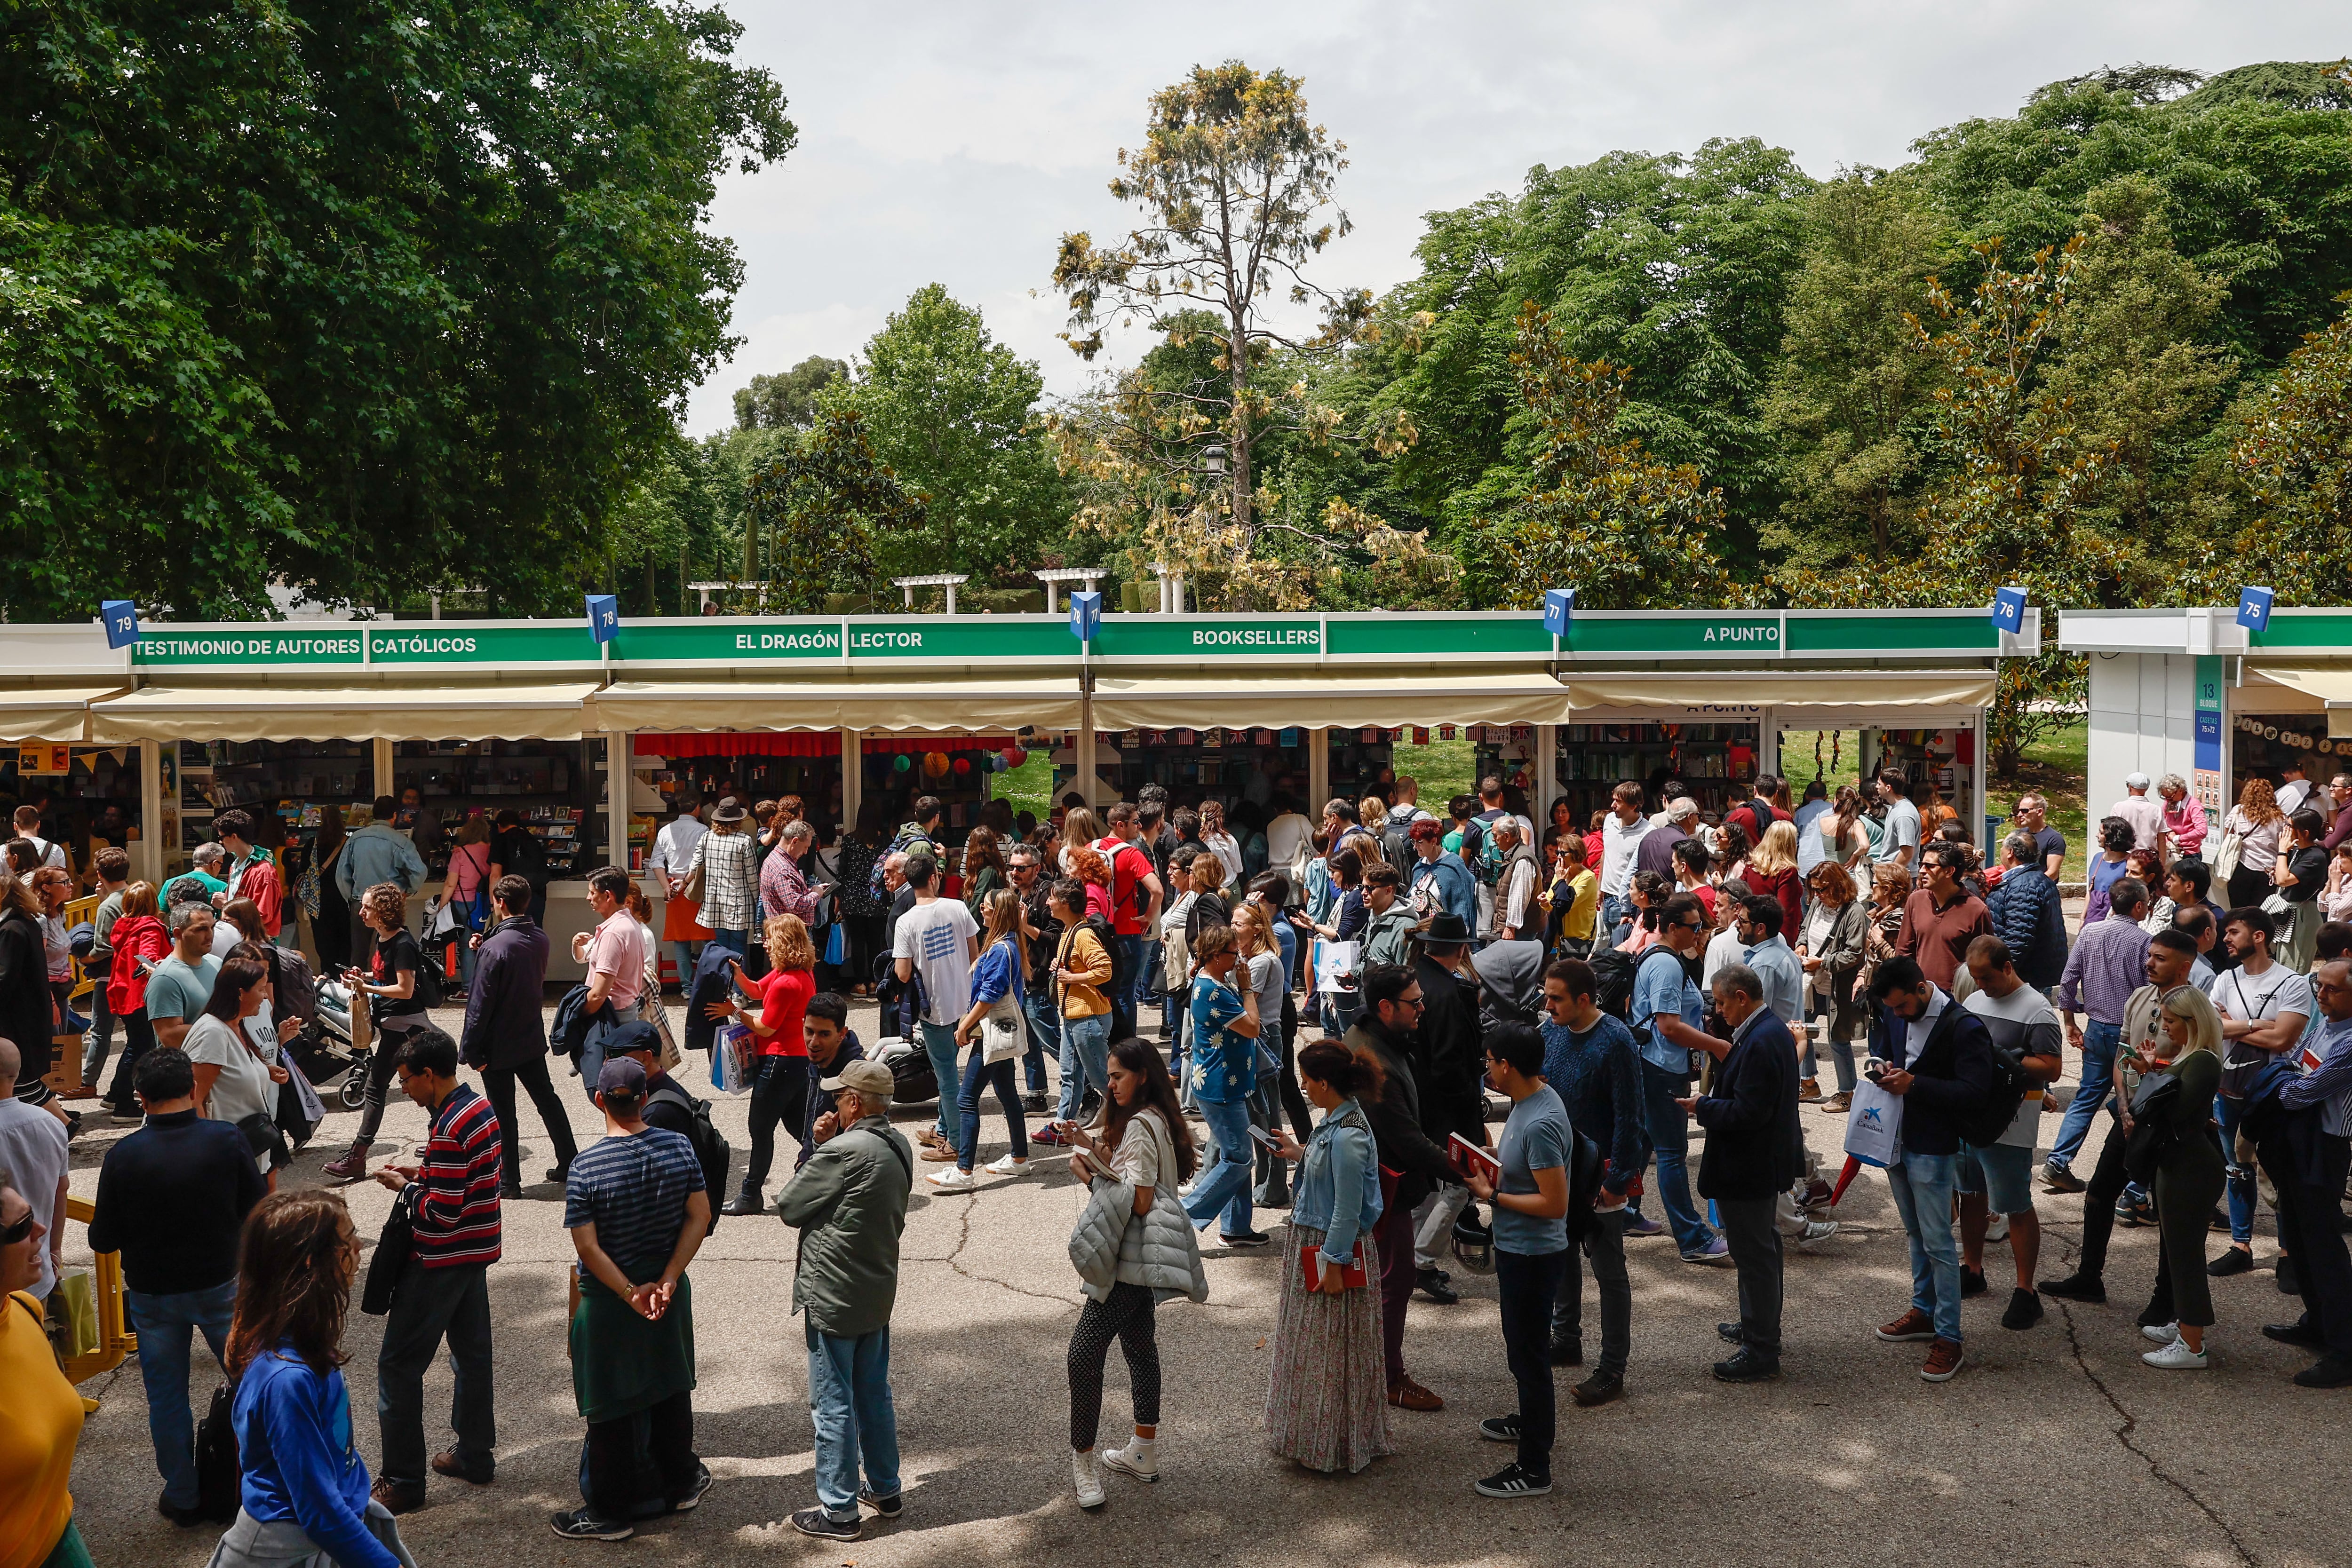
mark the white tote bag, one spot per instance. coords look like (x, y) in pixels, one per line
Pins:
(1873, 1125)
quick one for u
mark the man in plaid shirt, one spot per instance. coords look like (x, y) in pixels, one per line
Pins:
(444, 1289)
(729, 859)
(784, 888)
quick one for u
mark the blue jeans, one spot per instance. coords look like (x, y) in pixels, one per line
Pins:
(1128, 1004)
(1086, 1057)
(939, 1045)
(431, 1303)
(849, 1402)
(162, 1325)
(2229, 1113)
(978, 1076)
(736, 941)
(1225, 1185)
(99, 1040)
(1044, 1039)
(685, 954)
(1669, 1128)
(2100, 1042)
(1923, 1186)
(1614, 913)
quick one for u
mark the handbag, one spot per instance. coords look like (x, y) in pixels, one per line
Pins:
(218, 1472)
(1004, 1032)
(691, 891)
(837, 945)
(2225, 860)
(2150, 1140)
(393, 1248)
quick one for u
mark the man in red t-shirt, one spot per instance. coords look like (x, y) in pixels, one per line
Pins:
(1136, 894)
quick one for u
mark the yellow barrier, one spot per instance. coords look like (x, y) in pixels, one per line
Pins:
(80, 912)
(115, 1340)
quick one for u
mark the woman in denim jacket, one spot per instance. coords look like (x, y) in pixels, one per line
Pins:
(1327, 1406)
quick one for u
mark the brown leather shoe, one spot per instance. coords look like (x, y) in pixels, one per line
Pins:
(938, 1152)
(446, 1464)
(1912, 1325)
(1944, 1358)
(1808, 1091)
(1838, 1104)
(397, 1497)
(1407, 1394)
(350, 1168)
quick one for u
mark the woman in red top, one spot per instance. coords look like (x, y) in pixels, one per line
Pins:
(138, 939)
(778, 1069)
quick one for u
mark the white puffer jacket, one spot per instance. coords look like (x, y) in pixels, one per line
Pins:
(1113, 1245)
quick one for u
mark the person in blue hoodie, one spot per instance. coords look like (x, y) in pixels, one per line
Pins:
(303, 1489)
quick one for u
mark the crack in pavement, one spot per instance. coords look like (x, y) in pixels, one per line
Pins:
(2131, 1422)
(963, 1239)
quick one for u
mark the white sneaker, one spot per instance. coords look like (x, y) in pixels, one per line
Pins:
(1008, 1165)
(2176, 1358)
(1083, 1476)
(1996, 1228)
(1817, 1231)
(1135, 1460)
(2162, 1334)
(953, 1179)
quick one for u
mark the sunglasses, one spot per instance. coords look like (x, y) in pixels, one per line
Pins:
(11, 1234)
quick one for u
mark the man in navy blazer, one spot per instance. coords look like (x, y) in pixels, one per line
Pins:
(1755, 1148)
(1939, 1060)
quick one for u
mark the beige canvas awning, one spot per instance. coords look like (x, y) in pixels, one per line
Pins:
(1314, 700)
(366, 713)
(844, 704)
(1857, 691)
(57, 713)
(2331, 684)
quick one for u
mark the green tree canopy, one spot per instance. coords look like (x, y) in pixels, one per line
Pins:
(366, 300)
(788, 401)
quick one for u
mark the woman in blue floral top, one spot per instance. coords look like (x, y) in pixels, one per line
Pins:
(1223, 1072)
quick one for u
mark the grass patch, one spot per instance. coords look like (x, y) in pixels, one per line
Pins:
(1443, 768)
(1028, 788)
(2055, 767)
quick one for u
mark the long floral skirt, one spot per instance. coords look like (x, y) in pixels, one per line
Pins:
(1327, 1404)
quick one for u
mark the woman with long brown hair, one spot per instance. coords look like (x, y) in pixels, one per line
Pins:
(2259, 826)
(304, 1489)
(1839, 829)
(984, 869)
(1830, 947)
(995, 1030)
(1140, 1140)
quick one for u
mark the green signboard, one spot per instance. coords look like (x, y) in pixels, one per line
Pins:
(1499, 638)
(1963, 631)
(1182, 638)
(219, 647)
(2326, 632)
(729, 641)
(447, 642)
(978, 640)
(1728, 636)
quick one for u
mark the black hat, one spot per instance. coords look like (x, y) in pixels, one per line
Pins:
(634, 1035)
(1447, 929)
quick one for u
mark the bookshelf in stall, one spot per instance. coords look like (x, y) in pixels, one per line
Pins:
(1945, 758)
(297, 781)
(1592, 759)
(1213, 762)
(540, 781)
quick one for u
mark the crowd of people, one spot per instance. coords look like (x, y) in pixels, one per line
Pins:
(1434, 1041)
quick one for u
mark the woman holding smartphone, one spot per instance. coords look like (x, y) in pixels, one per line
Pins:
(1139, 1138)
(1327, 1404)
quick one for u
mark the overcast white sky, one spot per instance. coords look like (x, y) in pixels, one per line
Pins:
(955, 143)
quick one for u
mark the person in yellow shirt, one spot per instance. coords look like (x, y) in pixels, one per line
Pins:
(40, 1418)
(1575, 897)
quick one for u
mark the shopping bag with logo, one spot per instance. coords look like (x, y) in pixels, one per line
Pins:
(730, 1059)
(1873, 1125)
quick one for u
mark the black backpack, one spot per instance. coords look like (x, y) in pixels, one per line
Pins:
(1984, 1126)
(711, 1145)
(218, 1475)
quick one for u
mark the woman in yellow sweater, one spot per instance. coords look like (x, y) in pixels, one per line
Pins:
(1082, 967)
(40, 1418)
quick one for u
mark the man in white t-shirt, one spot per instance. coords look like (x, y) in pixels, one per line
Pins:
(32, 1150)
(1621, 831)
(1999, 1175)
(937, 940)
(2263, 1007)
(28, 827)
(1899, 842)
(2294, 788)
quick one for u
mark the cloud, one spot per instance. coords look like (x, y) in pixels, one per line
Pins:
(955, 143)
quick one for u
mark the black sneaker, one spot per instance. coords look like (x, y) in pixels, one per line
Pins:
(2327, 1372)
(2024, 1310)
(1500, 1429)
(2233, 1260)
(185, 1518)
(509, 1190)
(2076, 1288)
(742, 1203)
(1728, 1333)
(559, 1174)
(1035, 1102)
(817, 1522)
(687, 1500)
(1429, 1283)
(1600, 1388)
(1567, 1351)
(582, 1524)
(887, 1506)
(2132, 1211)
(1972, 1283)
(1515, 1480)
(2299, 1332)
(1747, 1367)
(2058, 1179)
(1246, 1238)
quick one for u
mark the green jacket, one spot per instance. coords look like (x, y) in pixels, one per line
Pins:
(849, 1204)
(1388, 937)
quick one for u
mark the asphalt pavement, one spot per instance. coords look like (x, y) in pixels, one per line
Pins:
(2052, 1446)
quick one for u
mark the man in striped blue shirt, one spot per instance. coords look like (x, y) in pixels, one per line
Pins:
(637, 1210)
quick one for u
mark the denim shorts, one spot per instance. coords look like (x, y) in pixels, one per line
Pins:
(2003, 1172)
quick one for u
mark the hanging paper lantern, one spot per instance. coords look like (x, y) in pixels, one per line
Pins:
(901, 763)
(1013, 757)
(962, 765)
(935, 764)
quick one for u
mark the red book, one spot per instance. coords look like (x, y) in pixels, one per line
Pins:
(1463, 1153)
(1311, 1266)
